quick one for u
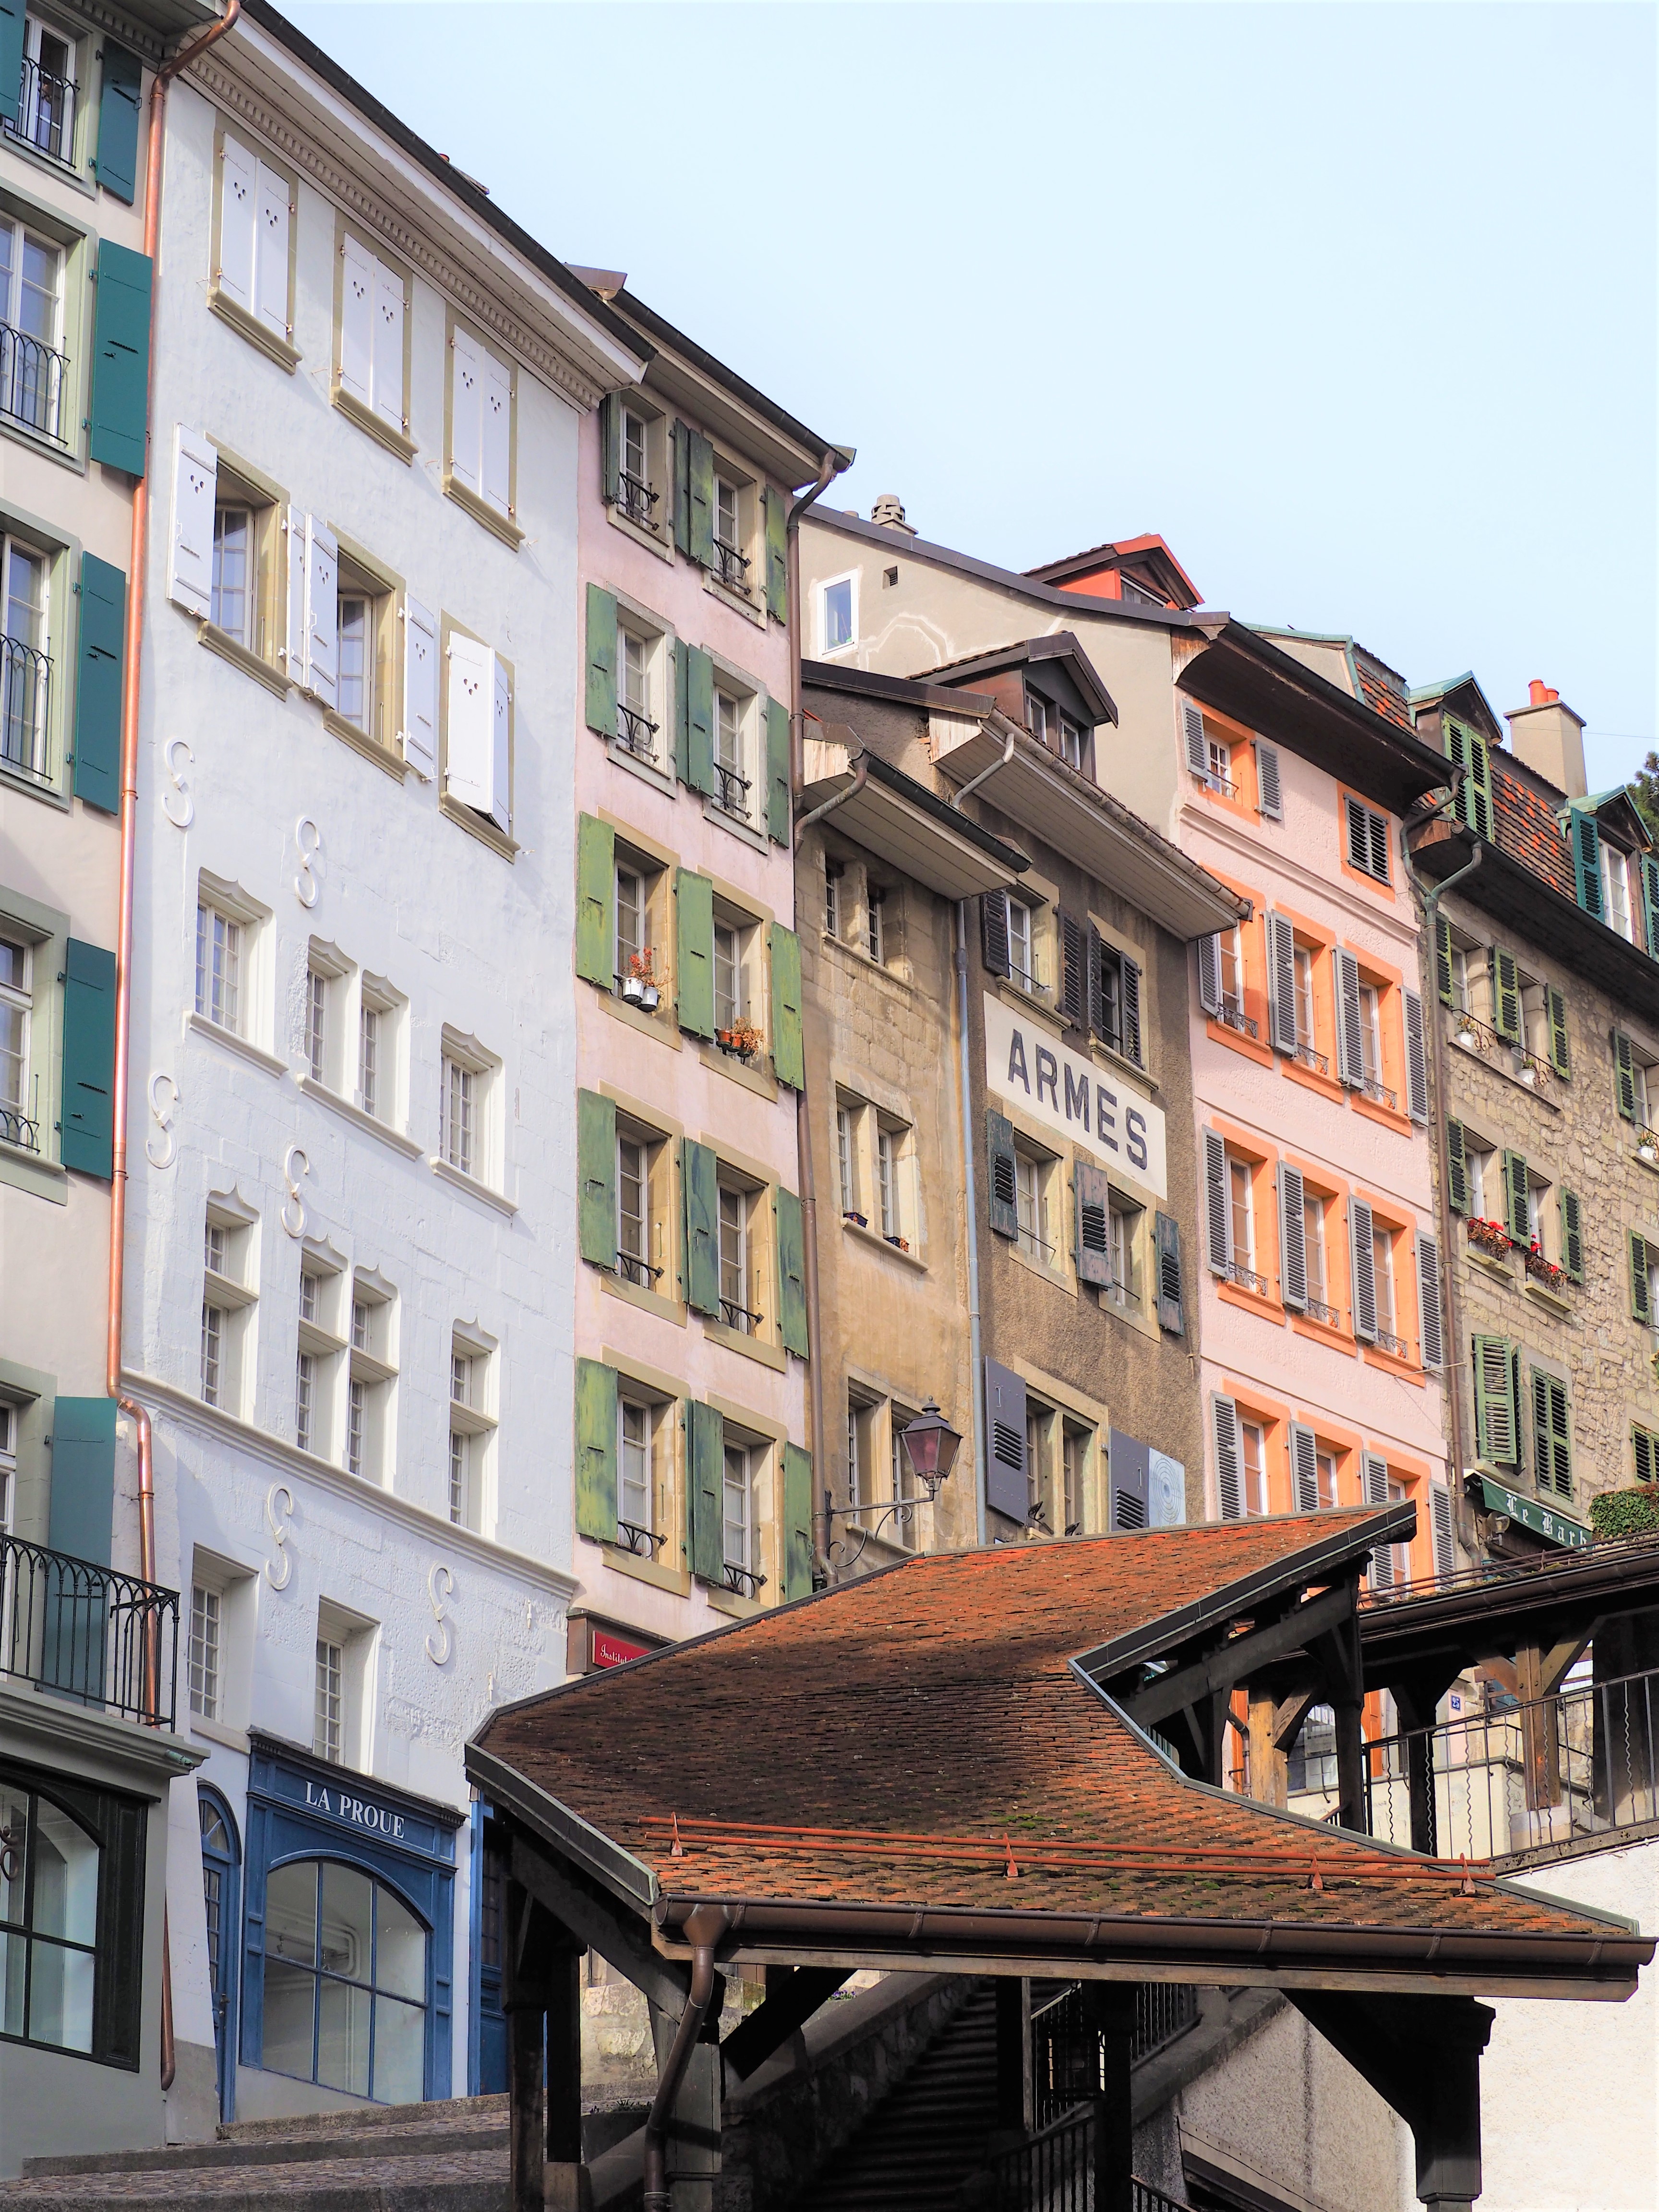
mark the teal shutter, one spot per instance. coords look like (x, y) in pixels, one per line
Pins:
(98, 684)
(700, 499)
(88, 1100)
(797, 1523)
(1641, 1299)
(12, 29)
(1495, 1426)
(792, 1274)
(777, 556)
(1584, 835)
(117, 161)
(788, 1042)
(700, 1186)
(705, 1457)
(82, 1478)
(601, 661)
(694, 951)
(1474, 793)
(1552, 1435)
(596, 892)
(777, 771)
(1505, 995)
(1457, 1168)
(595, 1450)
(697, 694)
(682, 727)
(120, 358)
(610, 449)
(596, 1173)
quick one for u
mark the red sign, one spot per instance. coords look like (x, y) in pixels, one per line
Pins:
(609, 1651)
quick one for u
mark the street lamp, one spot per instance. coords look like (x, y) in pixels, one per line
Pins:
(931, 1445)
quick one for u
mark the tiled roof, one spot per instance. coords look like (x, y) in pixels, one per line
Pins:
(1382, 689)
(1524, 825)
(919, 1739)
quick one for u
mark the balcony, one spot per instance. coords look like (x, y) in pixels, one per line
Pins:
(46, 113)
(87, 1634)
(741, 1580)
(24, 704)
(1386, 1340)
(1379, 1093)
(732, 567)
(637, 500)
(1316, 1310)
(634, 1268)
(33, 375)
(1318, 1061)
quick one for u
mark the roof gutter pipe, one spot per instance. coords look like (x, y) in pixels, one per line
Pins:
(704, 1926)
(985, 774)
(860, 777)
(832, 463)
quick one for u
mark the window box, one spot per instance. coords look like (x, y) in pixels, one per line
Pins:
(1545, 1271)
(1489, 1236)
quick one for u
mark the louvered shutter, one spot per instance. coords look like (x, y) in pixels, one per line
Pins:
(1517, 1218)
(117, 163)
(1457, 1168)
(1229, 1456)
(1376, 1493)
(700, 1198)
(1379, 834)
(1129, 1464)
(694, 953)
(1094, 1246)
(1505, 995)
(1166, 1231)
(322, 676)
(1073, 960)
(798, 1545)
(421, 689)
(1007, 1489)
(1552, 1435)
(1350, 1045)
(777, 562)
(1002, 1170)
(1494, 1400)
(1430, 1326)
(1416, 1060)
(698, 694)
(388, 355)
(1209, 974)
(792, 1273)
(705, 1459)
(80, 1524)
(596, 1173)
(1647, 1455)
(1129, 987)
(1573, 1236)
(680, 444)
(994, 931)
(777, 772)
(788, 1042)
(603, 644)
(1192, 725)
(1624, 1075)
(1440, 1523)
(1305, 1468)
(1215, 1200)
(357, 308)
(596, 887)
(1650, 902)
(1555, 1007)
(1094, 954)
(1363, 1256)
(465, 411)
(1281, 982)
(1358, 837)
(239, 192)
(1292, 1238)
(1584, 837)
(271, 254)
(1468, 751)
(1269, 793)
(195, 492)
(101, 643)
(700, 482)
(1443, 959)
(1641, 1299)
(87, 1103)
(497, 445)
(469, 737)
(294, 594)
(610, 415)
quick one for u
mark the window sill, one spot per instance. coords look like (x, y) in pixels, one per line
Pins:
(500, 526)
(233, 650)
(655, 542)
(28, 1171)
(382, 755)
(232, 1042)
(1297, 1071)
(1551, 1302)
(1266, 1307)
(750, 1348)
(760, 1081)
(1012, 994)
(476, 826)
(660, 779)
(1320, 1331)
(1405, 1369)
(1499, 1268)
(257, 333)
(1249, 1047)
(1386, 1117)
(659, 1026)
(1040, 1268)
(62, 172)
(49, 794)
(50, 449)
(232, 1739)
(621, 1561)
(359, 1120)
(870, 1237)
(1131, 1313)
(395, 441)
(740, 602)
(734, 824)
(318, 1341)
(635, 1294)
(1108, 1055)
(225, 1292)
(732, 1603)
(474, 1188)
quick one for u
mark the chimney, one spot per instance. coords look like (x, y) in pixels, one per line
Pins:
(889, 513)
(1549, 738)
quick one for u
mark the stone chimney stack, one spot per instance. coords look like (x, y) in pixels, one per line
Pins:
(1549, 738)
(889, 513)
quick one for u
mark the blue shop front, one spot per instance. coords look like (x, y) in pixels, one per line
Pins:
(348, 1930)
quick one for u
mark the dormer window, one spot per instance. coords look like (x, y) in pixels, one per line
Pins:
(1616, 885)
(1071, 742)
(1037, 717)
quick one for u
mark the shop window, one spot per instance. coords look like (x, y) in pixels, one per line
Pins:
(345, 1983)
(49, 1877)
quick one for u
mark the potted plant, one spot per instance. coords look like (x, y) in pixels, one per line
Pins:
(1647, 1148)
(849, 1214)
(1545, 1271)
(742, 1040)
(640, 984)
(1490, 1237)
(1466, 1035)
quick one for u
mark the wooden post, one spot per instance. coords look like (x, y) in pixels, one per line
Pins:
(1109, 2008)
(524, 2000)
(1541, 1753)
(564, 2075)
(1013, 2115)
(1270, 1768)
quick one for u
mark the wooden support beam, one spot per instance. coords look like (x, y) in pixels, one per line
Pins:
(1109, 2008)
(1234, 1660)
(602, 1923)
(1270, 1777)
(526, 1960)
(1288, 1716)
(790, 2003)
(1541, 1753)
(1422, 2055)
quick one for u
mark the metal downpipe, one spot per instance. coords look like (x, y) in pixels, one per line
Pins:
(705, 1927)
(972, 1206)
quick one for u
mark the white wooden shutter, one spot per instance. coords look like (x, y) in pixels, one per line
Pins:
(1365, 1271)
(195, 490)
(357, 312)
(1229, 1457)
(470, 765)
(1429, 1329)
(420, 690)
(270, 253)
(388, 352)
(1417, 1062)
(1281, 982)
(465, 412)
(1349, 1046)
(497, 461)
(239, 199)
(1269, 794)
(1292, 1238)
(1191, 726)
(294, 557)
(1376, 1493)
(501, 810)
(1209, 974)
(1440, 1517)
(1305, 1468)
(1215, 1192)
(322, 611)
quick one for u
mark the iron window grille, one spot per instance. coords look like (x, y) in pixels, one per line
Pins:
(25, 705)
(734, 789)
(643, 1543)
(33, 375)
(45, 112)
(636, 500)
(637, 731)
(732, 566)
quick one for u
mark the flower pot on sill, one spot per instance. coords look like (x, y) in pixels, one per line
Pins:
(849, 1215)
(632, 992)
(1646, 1155)
(650, 997)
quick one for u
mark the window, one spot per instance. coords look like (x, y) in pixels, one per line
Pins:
(738, 1515)
(305, 1401)
(731, 755)
(860, 1451)
(369, 1373)
(832, 875)
(1325, 1476)
(847, 1160)
(1313, 1245)
(478, 735)
(637, 720)
(837, 604)
(49, 1884)
(355, 702)
(1370, 1044)
(19, 1114)
(204, 1655)
(33, 368)
(1037, 715)
(732, 941)
(1031, 1177)
(369, 343)
(218, 969)
(233, 602)
(1022, 960)
(345, 1982)
(227, 1302)
(1313, 1755)
(1367, 840)
(1302, 958)
(481, 398)
(1121, 1222)
(7, 1463)
(1241, 1226)
(634, 1489)
(637, 498)
(731, 562)
(1231, 944)
(1382, 1280)
(328, 1708)
(458, 1137)
(904, 1529)
(26, 677)
(874, 934)
(1253, 1441)
(317, 1024)
(47, 97)
(368, 1057)
(1074, 1466)
(471, 1425)
(253, 279)
(1616, 881)
(1071, 742)
(889, 1142)
(734, 1231)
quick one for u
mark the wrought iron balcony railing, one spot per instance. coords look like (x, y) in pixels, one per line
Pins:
(637, 1270)
(731, 566)
(739, 1317)
(1319, 1061)
(33, 377)
(1379, 1093)
(24, 709)
(1233, 1016)
(636, 500)
(1247, 1278)
(1317, 1309)
(18, 1129)
(1388, 1341)
(637, 731)
(46, 113)
(733, 789)
(89, 1634)
(644, 1543)
(742, 1580)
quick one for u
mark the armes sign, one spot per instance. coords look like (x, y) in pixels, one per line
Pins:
(1083, 1103)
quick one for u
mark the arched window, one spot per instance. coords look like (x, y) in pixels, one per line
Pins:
(49, 1867)
(221, 1858)
(345, 1982)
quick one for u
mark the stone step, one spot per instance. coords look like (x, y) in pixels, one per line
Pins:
(450, 2181)
(412, 2141)
(354, 2119)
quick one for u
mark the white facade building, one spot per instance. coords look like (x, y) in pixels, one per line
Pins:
(353, 1219)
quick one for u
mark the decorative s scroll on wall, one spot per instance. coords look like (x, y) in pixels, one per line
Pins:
(296, 1167)
(438, 1647)
(177, 805)
(163, 1098)
(283, 1560)
(309, 839)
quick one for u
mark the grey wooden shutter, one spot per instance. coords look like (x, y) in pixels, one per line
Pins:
(777, 562)
(610, 449)
(1094, 1246)
(700, 1196)
(705, 1458)
(1305, 1468)
(1129, 987)
(1350, 1045)
(1457, 1168)
(1229, 1456)
(1128, 1470)
(994, 931)
(1002, 1187)
(1281, 982)
(1073, 969)
(1430, 1326)
(1209, 974)
(1215, 1199)
(602, 648)
(1292, 1238)
(682, 467)
(1006, 1487)
(1365, 1271)
(1269, 796)
(1440, 1523)
(1095, 956)
(1376, 1493)
(595, 1450)
(1417, 1062)
(1166, 1232)
(699, 710)
(700, 499)
(777, 771)
(1192, 725)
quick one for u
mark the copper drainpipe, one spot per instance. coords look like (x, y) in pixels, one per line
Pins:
(704, 1927)
(132, 644)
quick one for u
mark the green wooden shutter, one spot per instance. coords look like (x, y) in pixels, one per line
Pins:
(700, 499)
(12, 34)
(1505, 995)
(1443, 959)
(788, 1042)
(601, 661)
(82, 1508)
(117, 160)
(596, 895)
(1647, 1453)
(797, 1523)
(1624, 1075)
(1457, 1168)
(777, 771)
(694, 955)
(1516, 1219)
(1573, 1236)
(777, 560)
(98, 684)
(121, 358)
(610, 449)
(696, 705)
(1641, 1302)
(88, 1100)
(1651, 901)
(682, 461)
(1494, 1402)
(1552, 1435)
(1003, 1188)
(1584, 836)
(595, 1450)
(701, 1193)
(792, 1274)
(596, 1173)
(1474, 793)
(1555, 1006)
(705, 1457)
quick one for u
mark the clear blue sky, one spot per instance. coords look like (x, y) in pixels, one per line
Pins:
(1355, 304)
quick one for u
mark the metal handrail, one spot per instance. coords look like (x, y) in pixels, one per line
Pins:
(46, 113)
(24, 709)
(1054, 2171)
(32, 378)
(88, 1633)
